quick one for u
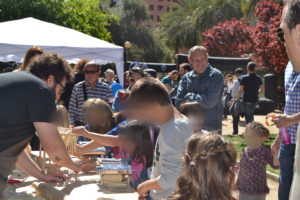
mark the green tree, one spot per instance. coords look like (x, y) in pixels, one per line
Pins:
(183, 26)
(81, 15)
(132, 26)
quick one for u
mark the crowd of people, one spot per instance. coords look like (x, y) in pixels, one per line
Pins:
(170, 135)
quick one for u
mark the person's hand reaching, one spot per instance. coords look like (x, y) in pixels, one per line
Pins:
(142, 191)
(282, 121)
(80, 130)
(53, 177)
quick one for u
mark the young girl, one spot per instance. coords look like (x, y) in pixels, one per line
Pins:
(98, 118)
(209, 172)
(252, 181)
(98, 115)
(195, 112)
(135, 143)
(62, 117)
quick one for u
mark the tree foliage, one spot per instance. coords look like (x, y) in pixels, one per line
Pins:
(182, 27)
(248, 8)
(81, 15)
(229, 39)
(236, 38)
(131, 27)
(270, 53)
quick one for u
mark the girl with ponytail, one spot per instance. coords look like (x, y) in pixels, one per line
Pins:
(209, 169)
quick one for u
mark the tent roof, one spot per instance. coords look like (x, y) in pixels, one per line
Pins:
(30, 31)
(17, 36)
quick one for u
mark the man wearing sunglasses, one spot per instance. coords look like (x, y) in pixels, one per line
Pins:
(289, 34)
(27, 105)
(91, 87)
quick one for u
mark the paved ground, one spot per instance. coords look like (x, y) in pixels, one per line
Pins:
(228, 130)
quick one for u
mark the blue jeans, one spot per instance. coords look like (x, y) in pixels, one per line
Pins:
(286, 161)
(249, 111)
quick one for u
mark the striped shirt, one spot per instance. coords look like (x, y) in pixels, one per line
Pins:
(292, 97)
(102, 91)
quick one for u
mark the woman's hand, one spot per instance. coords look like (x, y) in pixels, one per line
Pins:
(282, 121)
(80, 130)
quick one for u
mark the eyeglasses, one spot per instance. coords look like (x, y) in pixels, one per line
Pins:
(280, 35)
(201, 60)
(90, 72)
(62, 88)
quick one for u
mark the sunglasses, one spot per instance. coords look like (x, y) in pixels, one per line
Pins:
(91, 72)
(280, 35)
(132, 80)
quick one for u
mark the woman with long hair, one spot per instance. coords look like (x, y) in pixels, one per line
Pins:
(30, 54)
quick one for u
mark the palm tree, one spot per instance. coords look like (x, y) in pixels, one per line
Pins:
(183, 26)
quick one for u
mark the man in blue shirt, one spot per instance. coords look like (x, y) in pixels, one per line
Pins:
(205, 85)
(251, 84)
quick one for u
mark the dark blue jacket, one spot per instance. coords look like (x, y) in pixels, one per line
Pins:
(206, 88)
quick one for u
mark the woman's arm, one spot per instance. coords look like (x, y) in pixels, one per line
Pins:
(272, 160)
(107, 140)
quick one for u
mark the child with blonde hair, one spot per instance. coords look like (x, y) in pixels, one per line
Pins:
(98, 115)
(252, 180)
(195, 112)
(62, 117)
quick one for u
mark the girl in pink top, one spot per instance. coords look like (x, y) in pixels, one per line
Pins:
(136, 149)
(135, 144)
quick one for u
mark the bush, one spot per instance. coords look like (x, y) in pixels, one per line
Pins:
(229, 39)
(236, 38)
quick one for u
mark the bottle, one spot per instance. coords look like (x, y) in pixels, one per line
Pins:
(284, 136)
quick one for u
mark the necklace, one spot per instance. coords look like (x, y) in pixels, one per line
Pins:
(247, 154)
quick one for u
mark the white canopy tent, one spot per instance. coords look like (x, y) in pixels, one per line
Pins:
(17, 36)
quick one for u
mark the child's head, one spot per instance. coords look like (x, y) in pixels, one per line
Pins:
(98, 115)
(255, 134)
(209, 164)
(136, 140)
(62, 117)
(149, 100)
(195, 112)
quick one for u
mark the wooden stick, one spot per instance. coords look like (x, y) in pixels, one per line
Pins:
(44, 161)
(48, 192)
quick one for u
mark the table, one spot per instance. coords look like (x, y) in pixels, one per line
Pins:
(84, 188)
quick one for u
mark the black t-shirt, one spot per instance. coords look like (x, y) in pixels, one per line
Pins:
(24, 99)
(251, 83)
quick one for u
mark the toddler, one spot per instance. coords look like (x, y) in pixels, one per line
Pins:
(252, 180)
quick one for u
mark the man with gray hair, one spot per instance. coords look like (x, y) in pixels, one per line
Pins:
(91, 87)
(109, 76)
(203, 84)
